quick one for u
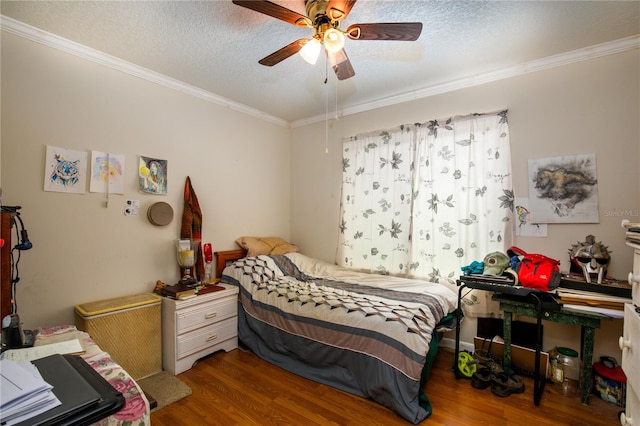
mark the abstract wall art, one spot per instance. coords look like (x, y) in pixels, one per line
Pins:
(107, 173)
(564, 189)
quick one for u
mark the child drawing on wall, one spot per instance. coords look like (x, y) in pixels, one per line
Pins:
(153, 175)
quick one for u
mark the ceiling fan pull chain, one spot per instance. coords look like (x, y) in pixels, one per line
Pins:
(326, 67)
(336, 100)
(326, 105)
(326, 118)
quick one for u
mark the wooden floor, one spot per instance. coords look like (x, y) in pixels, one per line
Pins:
(238, 388)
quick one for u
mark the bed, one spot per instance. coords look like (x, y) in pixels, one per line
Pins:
(370, 335)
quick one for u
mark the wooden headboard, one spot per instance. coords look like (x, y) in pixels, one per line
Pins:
(222, 257)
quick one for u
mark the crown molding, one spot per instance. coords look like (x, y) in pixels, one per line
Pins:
(578, 55)
(34, 34)
(51, 40)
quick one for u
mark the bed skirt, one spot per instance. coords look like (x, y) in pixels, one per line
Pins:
(398, 393)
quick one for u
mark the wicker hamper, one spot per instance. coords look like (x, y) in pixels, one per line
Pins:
(128, 328)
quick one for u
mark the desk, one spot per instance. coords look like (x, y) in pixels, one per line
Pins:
(587, 321)
(136, 410)
(528, 302)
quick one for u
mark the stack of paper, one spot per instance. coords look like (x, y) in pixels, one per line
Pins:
(633, 233)
(23, 393)
(589, 298)
(37, 352)
(587, 301)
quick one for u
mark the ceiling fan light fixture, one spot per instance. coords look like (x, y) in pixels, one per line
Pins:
(310, 51)
(333, 40)
(325, 16)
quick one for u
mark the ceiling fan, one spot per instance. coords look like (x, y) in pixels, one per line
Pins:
(325, 16)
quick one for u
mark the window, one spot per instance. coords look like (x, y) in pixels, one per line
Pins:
(423, 200)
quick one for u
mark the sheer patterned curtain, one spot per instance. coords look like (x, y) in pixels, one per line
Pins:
(423, 200)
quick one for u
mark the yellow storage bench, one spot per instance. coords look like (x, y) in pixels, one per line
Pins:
(128, 328)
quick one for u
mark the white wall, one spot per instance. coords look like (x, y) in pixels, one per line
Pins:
(83, 251)
(586, 107)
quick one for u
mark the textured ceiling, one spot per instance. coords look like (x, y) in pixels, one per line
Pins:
(216, 45)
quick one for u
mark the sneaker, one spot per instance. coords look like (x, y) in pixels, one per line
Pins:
(503, 385)
(482, 378)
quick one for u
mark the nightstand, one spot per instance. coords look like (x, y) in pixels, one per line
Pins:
(198, 326)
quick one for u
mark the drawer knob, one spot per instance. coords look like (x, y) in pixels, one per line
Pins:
(633, 278)
(622, 343)
(212, 337)
(211, 315)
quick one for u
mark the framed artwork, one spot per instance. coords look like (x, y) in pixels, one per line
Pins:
(107, 173)
(65, 170)
(564, 189)
(152, 175)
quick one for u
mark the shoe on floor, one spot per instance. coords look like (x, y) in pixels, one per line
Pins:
(482, 378)
(503, 385)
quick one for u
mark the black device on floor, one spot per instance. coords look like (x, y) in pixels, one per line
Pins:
(85, 395)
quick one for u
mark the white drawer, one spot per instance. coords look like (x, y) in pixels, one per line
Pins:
(630, 346)
(206, 337)
(205, 314)
(635, 278)
(631, 414)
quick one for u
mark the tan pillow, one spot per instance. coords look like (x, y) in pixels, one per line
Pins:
(256, 246)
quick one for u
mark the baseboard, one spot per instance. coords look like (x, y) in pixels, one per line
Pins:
(451, 344)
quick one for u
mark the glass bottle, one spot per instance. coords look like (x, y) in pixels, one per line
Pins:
(566, 370)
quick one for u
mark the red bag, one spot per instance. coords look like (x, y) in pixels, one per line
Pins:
(535, 270)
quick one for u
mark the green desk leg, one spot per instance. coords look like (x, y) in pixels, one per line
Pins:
(588, 334)
(506, 360)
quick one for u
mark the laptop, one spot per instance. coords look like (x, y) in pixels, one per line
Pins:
(86, 396)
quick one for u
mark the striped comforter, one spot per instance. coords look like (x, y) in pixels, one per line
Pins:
(363, 333)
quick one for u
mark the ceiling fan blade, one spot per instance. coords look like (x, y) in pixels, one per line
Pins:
(338, 10)
(400, 31)
(341, 65)
(276, 11)
(282, 54)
